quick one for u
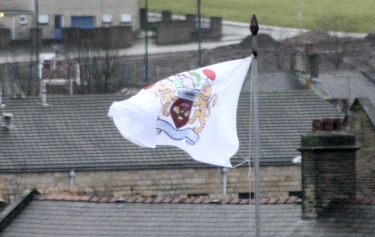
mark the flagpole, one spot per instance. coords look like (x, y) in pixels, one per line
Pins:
(254, 28)
(38, 74)
(146, 44)
(199, 34)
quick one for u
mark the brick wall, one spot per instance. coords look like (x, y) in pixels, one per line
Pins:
(276, 181)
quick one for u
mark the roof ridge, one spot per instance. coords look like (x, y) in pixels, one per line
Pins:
(142, 199)
(194, 200)
(16, 207)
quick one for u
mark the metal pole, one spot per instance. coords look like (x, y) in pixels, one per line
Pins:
(224, 171)
(146, 56)
(37, 42)
(254, 28)
(12, 80)
(199, 35)
(299, 15)
(102, 8)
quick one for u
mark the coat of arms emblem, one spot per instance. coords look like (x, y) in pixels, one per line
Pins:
(186, 99)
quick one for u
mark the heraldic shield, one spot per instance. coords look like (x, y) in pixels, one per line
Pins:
(181, 108)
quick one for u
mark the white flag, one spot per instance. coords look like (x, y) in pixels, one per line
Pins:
(194, 110)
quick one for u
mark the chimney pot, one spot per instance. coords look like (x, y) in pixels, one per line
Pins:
(308, 82)
(338, 124)
(44, 97)
(327, 124)
(308, 47)
(317, 124)
(8, 120)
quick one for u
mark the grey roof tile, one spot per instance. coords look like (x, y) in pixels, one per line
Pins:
(275, 81)
(347, 84)
(171, 219)
(73, 132)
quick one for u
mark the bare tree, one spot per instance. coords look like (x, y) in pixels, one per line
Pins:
(338, 26)
(106, 62)
(19, 73)
(99, 64)
(281, 48)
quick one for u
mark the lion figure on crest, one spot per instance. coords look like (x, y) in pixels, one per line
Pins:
(167, 95)
(204, 103)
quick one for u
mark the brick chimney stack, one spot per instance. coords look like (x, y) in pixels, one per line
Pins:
(307, 61)
(328, 165)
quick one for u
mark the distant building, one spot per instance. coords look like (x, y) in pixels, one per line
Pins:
(53, 15)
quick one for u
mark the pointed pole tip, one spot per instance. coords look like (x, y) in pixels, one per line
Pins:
(254, 27)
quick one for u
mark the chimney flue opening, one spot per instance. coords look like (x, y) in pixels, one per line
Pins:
(44, 97)
(7, 120)
(328, 124)
(317, 124)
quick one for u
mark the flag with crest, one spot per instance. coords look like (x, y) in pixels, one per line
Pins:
(193, 110)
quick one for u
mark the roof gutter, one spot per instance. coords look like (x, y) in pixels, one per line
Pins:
(127, 166)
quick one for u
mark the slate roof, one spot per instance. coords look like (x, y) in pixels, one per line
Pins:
(74, 132)
(36, 215)
(283, 118)
(347, 84)
(273, 81)
(367, 106)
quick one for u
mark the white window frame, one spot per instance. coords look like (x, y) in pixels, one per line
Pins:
(107, 18)
(23, 19)
(43, 19)
(126, 18)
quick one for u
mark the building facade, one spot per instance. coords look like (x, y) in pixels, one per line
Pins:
(361, 123)
(276, 181)
(19, 16)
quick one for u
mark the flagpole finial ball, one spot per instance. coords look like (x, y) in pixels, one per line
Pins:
(209, 74)
(254, 27)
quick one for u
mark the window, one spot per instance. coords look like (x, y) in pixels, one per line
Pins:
(59, 21)
(126, 18)
(23, 20)
(107, 18)
(246, 195)
(295, 194)
(198, 195)
(43, 19)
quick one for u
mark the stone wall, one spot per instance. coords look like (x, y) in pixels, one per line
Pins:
(5, 37)
(173, 32)
(364, 131)
(276, 181)
(113, 37)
